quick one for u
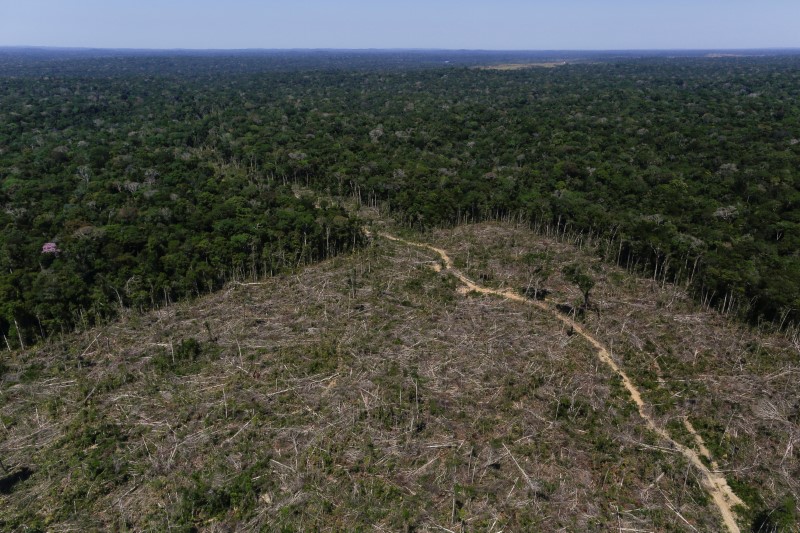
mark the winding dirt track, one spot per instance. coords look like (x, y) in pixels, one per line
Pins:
(715, 483)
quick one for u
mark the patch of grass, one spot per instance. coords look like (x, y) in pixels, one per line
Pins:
(186, 357)
(32, 372)
(205, 498)
(746, 492)
(677, 430)
(714, 435)
(322, 357)
(90, 450)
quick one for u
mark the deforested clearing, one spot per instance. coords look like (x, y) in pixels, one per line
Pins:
(369, 391)
(521, 66)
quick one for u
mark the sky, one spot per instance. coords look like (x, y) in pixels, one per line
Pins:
(444, 24)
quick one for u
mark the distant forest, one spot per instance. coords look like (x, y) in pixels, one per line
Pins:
(134, 179)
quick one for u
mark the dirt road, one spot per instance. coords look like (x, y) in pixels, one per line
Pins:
(714, 482)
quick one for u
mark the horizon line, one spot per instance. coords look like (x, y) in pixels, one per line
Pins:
(392, 49)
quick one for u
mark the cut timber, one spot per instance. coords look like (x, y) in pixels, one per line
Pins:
(714, 482)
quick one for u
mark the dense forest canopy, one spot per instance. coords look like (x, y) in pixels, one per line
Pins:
(129, 179)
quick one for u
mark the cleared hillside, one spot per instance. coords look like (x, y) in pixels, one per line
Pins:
(368, 390)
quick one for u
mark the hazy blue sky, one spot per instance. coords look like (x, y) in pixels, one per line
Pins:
(498, 24)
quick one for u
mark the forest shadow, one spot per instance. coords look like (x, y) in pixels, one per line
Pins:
(533, 294)
(569, 310)
(8, 482)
